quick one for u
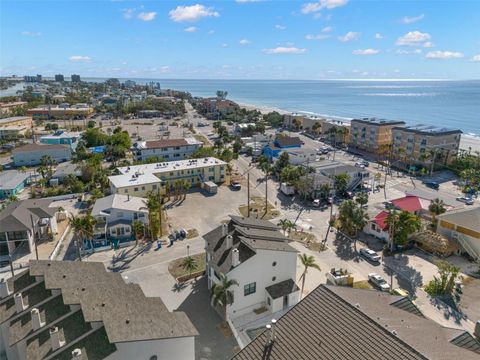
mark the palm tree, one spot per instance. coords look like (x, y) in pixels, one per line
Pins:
(283, 223)
(401, 226)
(12, 199)
(138, 229)
(352, 219)
(89, 227)
(436, 208)
(189, 264)
(153, 208)
(77, 225)
(361, 199)
(308, 261)
(221, 294)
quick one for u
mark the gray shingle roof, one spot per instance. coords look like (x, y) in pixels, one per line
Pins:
(282, 288)
(16, 216)
(248, 236)
(345, 323)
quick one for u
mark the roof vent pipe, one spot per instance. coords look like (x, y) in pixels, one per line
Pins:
(77, 354)
(57, 343)
(37, 322)
(19, 304)
(4, 290)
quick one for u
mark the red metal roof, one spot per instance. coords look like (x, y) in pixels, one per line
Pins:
(408, 203)
(380, 219)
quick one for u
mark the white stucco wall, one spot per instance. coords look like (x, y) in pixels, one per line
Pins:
(165, 349)
(259, 269)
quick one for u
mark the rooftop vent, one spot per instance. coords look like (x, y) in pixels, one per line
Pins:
(4, 290)
(235, 257)
(19, 304)
(37, 322)
(57, 343)
(76, 354)
(228, 242)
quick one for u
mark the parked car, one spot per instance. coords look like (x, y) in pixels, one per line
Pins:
(465, 199)
(360, 165)
(316, 203)
(369, 254)
(378, 282)
(432, 184)
(235, 185)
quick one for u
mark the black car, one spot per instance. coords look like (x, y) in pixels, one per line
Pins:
(432, 185)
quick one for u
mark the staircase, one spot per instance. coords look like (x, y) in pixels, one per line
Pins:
(465, 244)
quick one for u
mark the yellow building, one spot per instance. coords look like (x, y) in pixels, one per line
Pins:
(7, 108)
(48, 112)
(137, 180)
(462, 227)
(337, 128)
(16, 121)
(372, 135)
(423, 144)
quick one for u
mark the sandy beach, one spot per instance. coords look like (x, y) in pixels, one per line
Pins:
(467, 142)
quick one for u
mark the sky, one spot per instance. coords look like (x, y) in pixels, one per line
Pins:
(243, 39)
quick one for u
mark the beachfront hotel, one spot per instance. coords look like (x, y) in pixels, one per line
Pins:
(139, 180)
(421, 144)
(48, 112)
(372, 135)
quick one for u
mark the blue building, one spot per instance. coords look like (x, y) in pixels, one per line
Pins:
(274, 149)
(62, 137)
(12, 183)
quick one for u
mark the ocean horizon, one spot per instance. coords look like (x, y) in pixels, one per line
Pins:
(446, 103)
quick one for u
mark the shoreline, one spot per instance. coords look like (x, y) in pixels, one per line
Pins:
(467, 141)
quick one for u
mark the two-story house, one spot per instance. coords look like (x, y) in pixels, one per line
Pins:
(166, 149)
(259, 258)
(114, 215)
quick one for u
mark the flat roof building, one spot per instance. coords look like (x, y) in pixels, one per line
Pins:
(134, 184)
(425, 145)
(372, 135)
(12, 183)
(25, 121)
(31, 154)
(166, 149)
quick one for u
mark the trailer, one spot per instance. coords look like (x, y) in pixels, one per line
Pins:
(210, 187)
(287, 189)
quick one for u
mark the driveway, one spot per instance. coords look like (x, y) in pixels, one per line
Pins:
(211, 343)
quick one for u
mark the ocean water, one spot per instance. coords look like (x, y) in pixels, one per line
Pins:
(453, 104)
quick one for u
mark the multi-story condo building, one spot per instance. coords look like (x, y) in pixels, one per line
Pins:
(424, 144)
(134, 184)
(59, 78)
(196, 171)
(255, 254)
(76, 310)
(166, 149)
(21, 121)
(48, 112)
(9, 107)
(75, 78)
(372, 135)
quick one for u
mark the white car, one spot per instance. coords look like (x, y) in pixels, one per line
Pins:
(378, 281)
(369, 254)
(360, 165)
(465, 199)
(316, 203)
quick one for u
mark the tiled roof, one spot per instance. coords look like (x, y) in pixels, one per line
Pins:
(282, 288)
(408, 203)
(345, 323)
(380, 219)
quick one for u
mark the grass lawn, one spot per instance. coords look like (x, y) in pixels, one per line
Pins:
(257, 209)
(364, 284)
(203, 139)
(176, 270)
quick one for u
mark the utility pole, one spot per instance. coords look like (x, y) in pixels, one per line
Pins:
(160, 203)
(248, 194)
(34, 236)
(391, 229)
(266, 191)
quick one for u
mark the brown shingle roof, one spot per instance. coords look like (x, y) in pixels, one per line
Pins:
(164, 143)
(345, 323)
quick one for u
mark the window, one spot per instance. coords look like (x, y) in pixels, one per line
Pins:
(125, 191)
(269, 302)
(135, 189)
(249, 289)
(274, 278)
(143, 187)
(274, 263)
(154, 187)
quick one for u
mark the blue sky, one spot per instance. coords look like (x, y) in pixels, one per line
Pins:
(326, 39)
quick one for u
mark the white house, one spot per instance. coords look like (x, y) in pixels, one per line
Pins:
(166, 149)
(115, 214)
(297, 156)
(78, 310)
(259, 258)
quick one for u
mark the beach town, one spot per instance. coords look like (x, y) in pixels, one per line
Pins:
(189, 223)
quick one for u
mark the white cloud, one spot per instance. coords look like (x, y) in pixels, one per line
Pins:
(317, 36)
(415, 38)
(476, 58)
(211, 32)
(411, 19)
(365, 52)
(165, 69)
(322, 4)
(192, 13)
(224, 45)
(444, 55)
(128, 13)
(351, 35)
(190, 29)
(327, 29)
(285, 50)
(280, 27)
(147, 16)
(408, 52)
(378, 36)
(31, 33)
(244, 42)
(80, 58)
